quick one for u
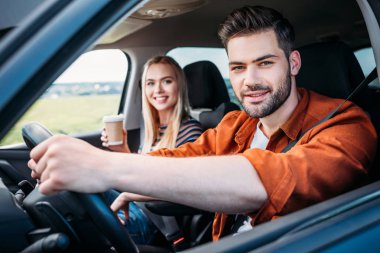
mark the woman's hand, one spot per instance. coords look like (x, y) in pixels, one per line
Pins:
(122, 203)
(118, 148)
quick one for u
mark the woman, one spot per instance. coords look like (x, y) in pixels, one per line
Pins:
(167, 124)
(165, 107)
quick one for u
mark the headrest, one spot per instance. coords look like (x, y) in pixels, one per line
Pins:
(329, 68)
(206, 86)
(210, 119)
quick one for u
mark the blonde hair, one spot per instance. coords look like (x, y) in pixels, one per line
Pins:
(150, 114)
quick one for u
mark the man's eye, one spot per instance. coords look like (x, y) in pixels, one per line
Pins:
(265, 63)
(237, 68)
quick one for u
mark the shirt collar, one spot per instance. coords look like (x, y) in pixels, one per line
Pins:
(246, 131)
(293, 126)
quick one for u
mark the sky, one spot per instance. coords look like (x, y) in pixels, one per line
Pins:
(111, 65)
(108, 65)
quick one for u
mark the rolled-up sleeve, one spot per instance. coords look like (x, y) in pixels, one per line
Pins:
(214, 141)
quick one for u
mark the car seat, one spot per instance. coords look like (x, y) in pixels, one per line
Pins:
(331, 69)
(208, 94)
(209, 102)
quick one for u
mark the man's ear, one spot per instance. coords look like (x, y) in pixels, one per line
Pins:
(294, 62)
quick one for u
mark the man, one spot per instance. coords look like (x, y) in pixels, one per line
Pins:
(237, 167)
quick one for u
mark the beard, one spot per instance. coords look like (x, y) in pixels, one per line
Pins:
(272, 103)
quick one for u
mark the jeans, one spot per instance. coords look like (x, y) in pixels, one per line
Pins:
(140, 228)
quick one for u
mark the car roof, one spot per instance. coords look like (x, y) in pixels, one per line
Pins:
(329, 20)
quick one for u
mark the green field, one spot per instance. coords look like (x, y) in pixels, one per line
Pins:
(67, 115)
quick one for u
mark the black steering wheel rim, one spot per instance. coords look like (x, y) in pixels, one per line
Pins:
(100, 213)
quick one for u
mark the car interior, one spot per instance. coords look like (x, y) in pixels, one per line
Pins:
(329, 37)
(208, 95)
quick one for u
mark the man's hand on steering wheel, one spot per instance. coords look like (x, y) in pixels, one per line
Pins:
(54, 159)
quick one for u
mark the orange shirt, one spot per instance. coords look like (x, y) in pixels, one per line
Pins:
(332, 158)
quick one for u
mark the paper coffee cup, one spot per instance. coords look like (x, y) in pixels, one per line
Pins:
(114, 129)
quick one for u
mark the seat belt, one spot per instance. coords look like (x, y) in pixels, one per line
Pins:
(239, 218)
(365, 82)
(168, 226)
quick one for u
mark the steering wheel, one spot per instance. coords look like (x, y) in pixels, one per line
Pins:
(94, 205)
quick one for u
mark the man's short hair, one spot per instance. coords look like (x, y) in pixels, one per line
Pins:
(253, 19)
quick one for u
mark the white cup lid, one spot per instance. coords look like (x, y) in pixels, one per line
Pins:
(113, 118)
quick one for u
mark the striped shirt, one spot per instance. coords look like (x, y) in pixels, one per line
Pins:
(189, 131)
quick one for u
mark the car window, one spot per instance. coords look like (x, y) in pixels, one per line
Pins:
(187, 55)
(366, 59)
(76, 102)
